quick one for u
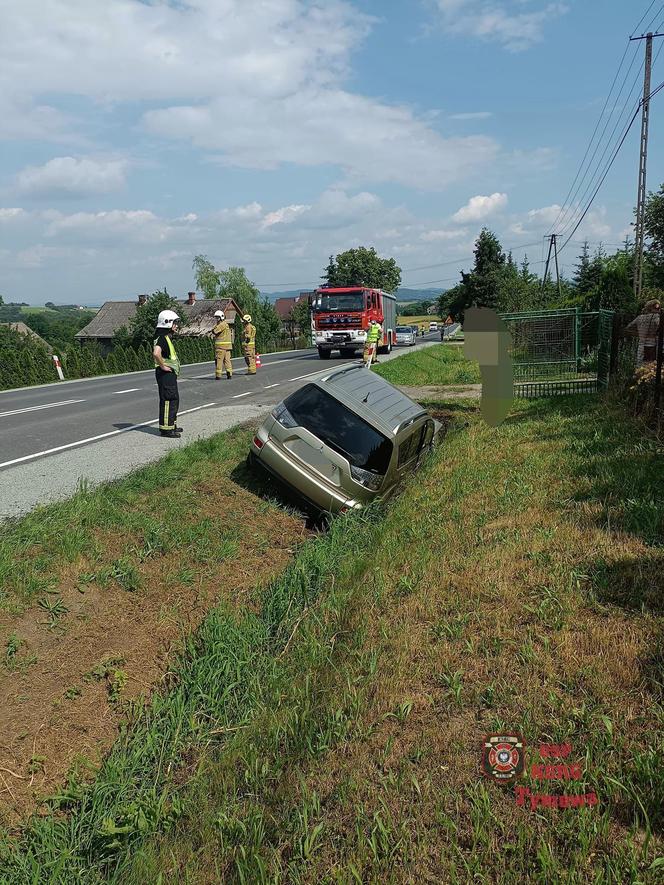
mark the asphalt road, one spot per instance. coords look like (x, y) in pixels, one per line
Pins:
(55, 438)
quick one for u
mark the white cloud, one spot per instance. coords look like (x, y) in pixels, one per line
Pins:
(544, 217)
(285, 215)
(509, 23)
(370, 140)
(72, 177)
(480, 207)
(473, 115)
(260, 83)
(10, 214)
(432, 236)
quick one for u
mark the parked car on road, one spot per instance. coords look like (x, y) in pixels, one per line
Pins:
(406, 335)
(433, 327)
(344, 439)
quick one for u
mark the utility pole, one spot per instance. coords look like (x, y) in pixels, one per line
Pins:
(643, 165)
(553, 247)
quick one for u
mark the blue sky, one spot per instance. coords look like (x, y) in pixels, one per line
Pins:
(271, 133)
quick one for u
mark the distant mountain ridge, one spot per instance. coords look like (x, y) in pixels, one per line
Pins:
(402, 294)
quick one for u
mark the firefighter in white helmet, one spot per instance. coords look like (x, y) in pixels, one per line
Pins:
(249, 344)
(167, 369)
(223, 344)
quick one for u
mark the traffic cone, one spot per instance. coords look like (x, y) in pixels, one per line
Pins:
(258, 361)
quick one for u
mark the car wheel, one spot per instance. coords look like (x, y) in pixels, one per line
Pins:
(324, 354)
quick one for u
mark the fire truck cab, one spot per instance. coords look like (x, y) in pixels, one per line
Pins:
(341, 317)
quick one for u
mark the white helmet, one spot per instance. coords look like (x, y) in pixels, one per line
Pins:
(220, 314)
(166, 319)
(246, 318)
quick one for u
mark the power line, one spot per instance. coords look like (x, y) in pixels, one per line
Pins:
(592, 137)
(568, 202)
(573, 207)
(606, 172)
(643, 17)
(603, 174)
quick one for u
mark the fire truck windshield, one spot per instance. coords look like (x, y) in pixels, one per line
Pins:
(334, 302)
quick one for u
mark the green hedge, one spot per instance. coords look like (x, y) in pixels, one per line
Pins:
(24, 362)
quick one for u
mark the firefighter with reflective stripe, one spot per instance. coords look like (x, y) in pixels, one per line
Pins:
(371, 344)
(223, 344)
(167, 369)
(249, 344)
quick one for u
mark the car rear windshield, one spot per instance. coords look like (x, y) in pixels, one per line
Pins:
(340, 428)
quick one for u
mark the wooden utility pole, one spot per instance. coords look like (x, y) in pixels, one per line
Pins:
(553, 247)
(643, 165)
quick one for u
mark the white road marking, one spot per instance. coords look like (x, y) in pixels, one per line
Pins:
(269, 386)
(67, 402)
(300, 377)
(238, 395)
(81, 442)
(130, 390)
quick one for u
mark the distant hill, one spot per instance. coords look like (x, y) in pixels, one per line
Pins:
(402, 294)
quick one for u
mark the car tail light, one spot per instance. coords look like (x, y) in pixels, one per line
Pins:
(366, 477)
(283, 416)
(258, 442)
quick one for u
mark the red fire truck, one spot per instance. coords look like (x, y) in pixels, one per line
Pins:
(340, 319)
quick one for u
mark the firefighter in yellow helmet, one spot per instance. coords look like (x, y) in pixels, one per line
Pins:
(223, 344)
(249, 344)
(371, 344)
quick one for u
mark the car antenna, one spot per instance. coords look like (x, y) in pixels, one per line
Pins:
(366, 398)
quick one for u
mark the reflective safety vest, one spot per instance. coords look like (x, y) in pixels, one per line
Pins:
(373, 335)
(172, 359)
(250, 334)
(222, 335)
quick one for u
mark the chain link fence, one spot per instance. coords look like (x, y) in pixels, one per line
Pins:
(560, 351)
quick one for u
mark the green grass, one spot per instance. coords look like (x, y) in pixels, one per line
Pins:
(38, 548)
(437, 365)
(331, 734)
(363, 765)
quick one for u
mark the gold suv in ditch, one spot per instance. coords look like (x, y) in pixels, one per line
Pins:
(344, 439)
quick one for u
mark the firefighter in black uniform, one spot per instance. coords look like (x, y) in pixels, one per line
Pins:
(167, 369)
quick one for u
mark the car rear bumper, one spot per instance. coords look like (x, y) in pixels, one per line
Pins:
(316, 492)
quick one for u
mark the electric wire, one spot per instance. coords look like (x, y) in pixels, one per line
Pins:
(597, 175)
(592, 137)
(603, 178)
(573, 204)
(643, 17)
(567, 202)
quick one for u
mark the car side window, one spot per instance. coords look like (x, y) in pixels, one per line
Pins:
(427, 436)
(408, 448)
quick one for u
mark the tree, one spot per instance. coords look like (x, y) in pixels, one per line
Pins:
(654, 230)
(363, 267)
(206, 276)
(582, 279)
(144, 321)
(301, 314)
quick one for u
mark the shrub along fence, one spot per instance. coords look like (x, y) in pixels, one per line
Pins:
(637, 373)
(24, 363)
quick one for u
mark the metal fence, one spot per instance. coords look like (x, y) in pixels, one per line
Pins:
(557, 352)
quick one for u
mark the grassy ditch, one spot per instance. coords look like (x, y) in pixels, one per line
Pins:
(437, 365)
(230, 677)
(99, 590)
(516, 585)
(331, 731)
